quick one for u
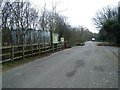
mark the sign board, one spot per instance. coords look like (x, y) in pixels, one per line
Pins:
(62, 39)
(55, 37)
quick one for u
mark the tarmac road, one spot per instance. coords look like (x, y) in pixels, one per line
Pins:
(88, 66)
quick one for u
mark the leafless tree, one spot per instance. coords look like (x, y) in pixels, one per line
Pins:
(103, 15)
(19, 17)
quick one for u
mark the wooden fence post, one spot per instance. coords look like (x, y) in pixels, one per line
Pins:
(12, 47)
(23, 51)
(39, 48)
(57, 46)
(49, 47)
(53, 47)
(60, 46)
(32, 49)
(44, 47)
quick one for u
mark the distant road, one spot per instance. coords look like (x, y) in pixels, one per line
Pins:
(88, 66)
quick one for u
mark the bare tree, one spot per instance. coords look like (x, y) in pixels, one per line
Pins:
(103, 15)
(19, 17)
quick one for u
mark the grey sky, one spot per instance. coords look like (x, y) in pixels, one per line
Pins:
(79, 12)
(1, 2)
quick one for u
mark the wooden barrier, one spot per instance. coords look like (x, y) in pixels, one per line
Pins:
(11, 53)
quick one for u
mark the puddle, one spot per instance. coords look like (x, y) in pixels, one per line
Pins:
(71, 73)
(79, 63)
(99, 68)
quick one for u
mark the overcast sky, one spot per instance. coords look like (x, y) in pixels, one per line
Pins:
(79, 12)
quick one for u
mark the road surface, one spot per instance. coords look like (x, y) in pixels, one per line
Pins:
(88, 66)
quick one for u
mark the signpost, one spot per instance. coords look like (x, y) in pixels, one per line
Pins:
(55, 37)
(62, 39)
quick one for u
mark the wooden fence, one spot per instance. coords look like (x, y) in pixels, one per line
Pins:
(11, 53)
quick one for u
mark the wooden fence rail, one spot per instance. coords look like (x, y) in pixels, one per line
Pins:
(11, 53)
